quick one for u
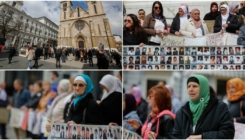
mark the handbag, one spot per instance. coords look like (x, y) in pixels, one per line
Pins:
(4, 115)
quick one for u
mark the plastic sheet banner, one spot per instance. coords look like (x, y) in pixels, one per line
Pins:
(173, 40)
(130, 135)
(239, 131)
(78, 131)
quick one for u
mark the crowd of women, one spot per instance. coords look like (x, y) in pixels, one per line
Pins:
(202, 117)
(71, 101)
(150, 29)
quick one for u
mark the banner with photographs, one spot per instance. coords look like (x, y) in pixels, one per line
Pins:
(184, 58)
(78, 131)
(130, 135)
(214, 39)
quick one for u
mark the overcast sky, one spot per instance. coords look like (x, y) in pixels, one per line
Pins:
(51, 9)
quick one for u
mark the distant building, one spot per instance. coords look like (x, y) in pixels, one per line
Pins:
(33, 31)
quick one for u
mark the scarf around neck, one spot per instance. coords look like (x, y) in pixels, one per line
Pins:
(197, 106)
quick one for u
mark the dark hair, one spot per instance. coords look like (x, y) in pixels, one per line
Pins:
(39, 83)
(55, 73)
(131, 57)
(138, 31)
(211, 91)
(161, 13)
(141, 10)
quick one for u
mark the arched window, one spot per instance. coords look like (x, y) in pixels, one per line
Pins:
(78, 12)
(95, 10)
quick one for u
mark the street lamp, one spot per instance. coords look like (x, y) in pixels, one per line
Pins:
(105, 21)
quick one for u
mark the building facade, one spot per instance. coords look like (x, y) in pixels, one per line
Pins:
(84, 29)
(32, 31)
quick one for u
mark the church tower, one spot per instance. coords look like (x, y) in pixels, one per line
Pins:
(95, 7)
(65, 10)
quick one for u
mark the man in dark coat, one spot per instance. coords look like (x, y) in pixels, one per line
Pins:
(57, 57)
(45, 53)
(37, 55)
(11, 54)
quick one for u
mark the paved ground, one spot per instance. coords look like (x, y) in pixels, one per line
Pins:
(19, 62)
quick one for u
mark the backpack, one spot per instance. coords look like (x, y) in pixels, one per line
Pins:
(147, 126)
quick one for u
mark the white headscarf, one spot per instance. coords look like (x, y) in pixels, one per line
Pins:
(184, 17)
(112, 83)
(224, 18)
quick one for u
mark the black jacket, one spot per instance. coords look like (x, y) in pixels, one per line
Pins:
(12, 51)
(141, 110)
(130, 39)
(214, 123)
(33, 101)
(112, 108)
(176, 24)
(234, 109)
(232, 22)
(93, 114)
(38, 53)
(209, 16)
(165, 127)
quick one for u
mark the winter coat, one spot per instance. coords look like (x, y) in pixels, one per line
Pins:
(188, 28)
(33, 101)
(241, 36)
(209, 16)
(130, 39)
(149, 24)
(234, 109)
(232, 22)
(111, 108)
(38, 53)
(12, 51)
(23, 97)
(30, 54)
(176, 24)
(93, 113)
(141, 110)
(166, 125)
(214, 123)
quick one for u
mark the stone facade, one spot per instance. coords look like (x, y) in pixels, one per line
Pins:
(84, 29)
(33, 31)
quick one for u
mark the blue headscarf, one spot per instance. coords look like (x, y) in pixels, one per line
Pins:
(88, 90)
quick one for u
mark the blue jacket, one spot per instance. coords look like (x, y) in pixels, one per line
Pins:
(131, 116)
(241, 36)
(23, 98)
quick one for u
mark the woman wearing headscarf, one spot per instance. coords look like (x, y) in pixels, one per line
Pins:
(226, 22)
(235, 89)
(84, 109)
(111, 103)
(179, 19)
(129, 111)
(160, 121)
(204, 116)
(141, 104)
(213, 12)
(234, 11)
(195, 26)
(155, 24)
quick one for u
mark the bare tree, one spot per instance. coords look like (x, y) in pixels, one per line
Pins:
(8, 24)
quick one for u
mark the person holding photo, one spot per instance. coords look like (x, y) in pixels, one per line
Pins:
(160, 121)
(204, 116)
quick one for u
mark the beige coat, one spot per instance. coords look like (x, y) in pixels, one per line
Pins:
(188, 28)
(30, 54)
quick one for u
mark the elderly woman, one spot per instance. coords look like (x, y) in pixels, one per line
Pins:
(111, 102)
(133, 33)
(129, 111)
(179, 19)
(235, 89)
(195, 26)
(213, 12)
(160, 121)
(84, 109)
(200, 118)
(226, 22)
(155, 24)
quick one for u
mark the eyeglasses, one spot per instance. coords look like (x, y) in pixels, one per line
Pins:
(129, 21)
(156, 8)
(150, 96)
(80, 85)
(241, 4)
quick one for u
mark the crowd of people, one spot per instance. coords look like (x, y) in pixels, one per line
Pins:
(69, 101)
(105, 58)
(202, 117)
(150, 28)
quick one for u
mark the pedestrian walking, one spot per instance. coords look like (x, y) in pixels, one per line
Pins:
(11, 54)
(90, 58)
(30, 56)
(57, 57)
